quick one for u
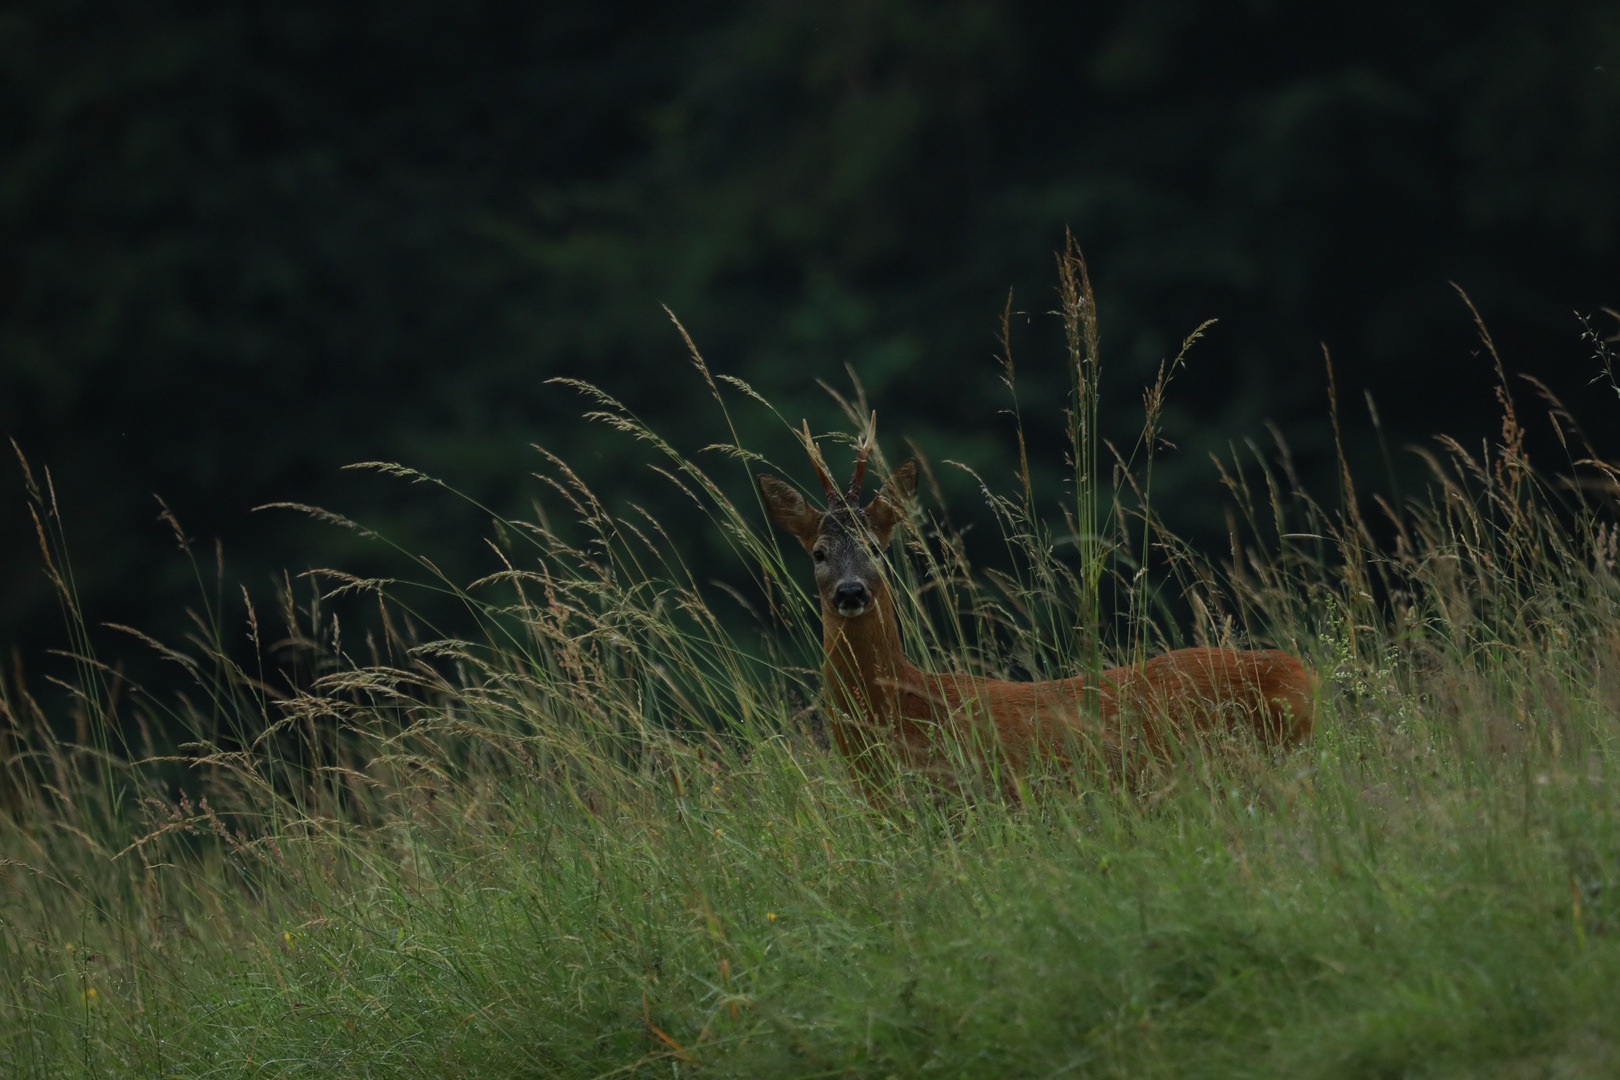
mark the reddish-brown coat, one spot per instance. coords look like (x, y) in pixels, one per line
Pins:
(878, 698)
(882, 706)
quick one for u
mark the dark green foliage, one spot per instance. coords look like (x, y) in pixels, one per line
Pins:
(242, 244)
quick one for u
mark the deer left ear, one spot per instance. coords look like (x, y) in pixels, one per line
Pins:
(886, 507)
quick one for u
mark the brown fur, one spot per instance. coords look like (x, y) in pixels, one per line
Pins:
(880, 704)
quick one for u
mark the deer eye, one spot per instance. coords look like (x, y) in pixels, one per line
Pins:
(819, 555)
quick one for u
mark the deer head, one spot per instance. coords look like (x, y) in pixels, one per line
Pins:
(845, 539)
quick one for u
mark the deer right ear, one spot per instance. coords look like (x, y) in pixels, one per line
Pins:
(885, 510)
(789, 510)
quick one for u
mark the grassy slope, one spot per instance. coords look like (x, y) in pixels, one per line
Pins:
(1380, 920)
(521, 856)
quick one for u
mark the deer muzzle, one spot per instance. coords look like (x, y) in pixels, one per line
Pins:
(851, 598)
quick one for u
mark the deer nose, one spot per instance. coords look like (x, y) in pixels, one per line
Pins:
(851, 599)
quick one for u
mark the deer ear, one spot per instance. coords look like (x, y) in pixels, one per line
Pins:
(789, 510)
(886, 507)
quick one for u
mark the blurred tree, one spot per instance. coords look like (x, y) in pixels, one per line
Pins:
(243, 243)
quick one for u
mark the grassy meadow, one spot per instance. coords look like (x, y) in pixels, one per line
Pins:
(599, 833)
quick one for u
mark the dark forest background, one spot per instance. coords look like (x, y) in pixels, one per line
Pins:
(245, 243)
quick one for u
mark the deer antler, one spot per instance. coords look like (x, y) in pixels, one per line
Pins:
(820, 465)
(854, 496)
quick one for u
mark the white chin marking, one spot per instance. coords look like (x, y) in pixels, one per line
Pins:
(852, 612)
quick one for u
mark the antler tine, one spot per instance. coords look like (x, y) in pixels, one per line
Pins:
(861, 455)
(820, 465)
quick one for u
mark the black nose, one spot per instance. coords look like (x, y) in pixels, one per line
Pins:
(850, 594)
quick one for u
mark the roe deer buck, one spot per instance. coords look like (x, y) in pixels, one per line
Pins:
(883, 708)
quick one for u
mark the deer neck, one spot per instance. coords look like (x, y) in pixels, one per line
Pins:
(864, 661)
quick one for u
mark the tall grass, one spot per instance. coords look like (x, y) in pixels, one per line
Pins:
(594, 832)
